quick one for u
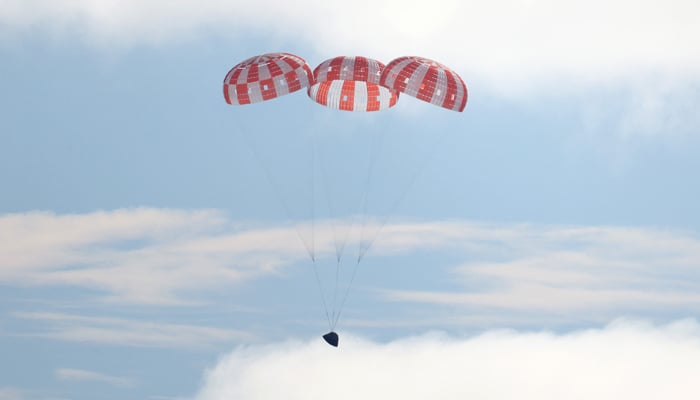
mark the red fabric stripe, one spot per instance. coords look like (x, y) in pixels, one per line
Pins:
(253, 75)
(427, 86)
(234, 77)
(373, 97)
(464, 99)
(347, 96)
(275, 69)
(270, 92)
(322, 93)
(360, 70)
(391, 70)
(387, 72)
(451, 95)
(336, 64)
(242, 94)
(403, 75)
(291, 61)
(293, 82)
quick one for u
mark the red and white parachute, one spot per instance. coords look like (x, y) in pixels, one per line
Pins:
(349, 83)
(266, 77)
(426, 80)
(345, 83)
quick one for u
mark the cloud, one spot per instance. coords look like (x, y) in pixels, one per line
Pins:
(501, 40)
(626, 359)
(560, 271)
(162, 257)
(80, 375)
(140, 256)
(646, 51)
(129, 332)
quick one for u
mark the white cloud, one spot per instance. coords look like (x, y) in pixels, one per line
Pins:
(80, 375)
(138, 255)
(501, 40)
(129, 332)
(150, 256)
(567, 271)
(626, 359)
(519, 49)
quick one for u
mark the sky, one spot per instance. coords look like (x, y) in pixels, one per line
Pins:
(157, 243)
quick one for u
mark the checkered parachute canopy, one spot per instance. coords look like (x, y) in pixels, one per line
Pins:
(266, 77)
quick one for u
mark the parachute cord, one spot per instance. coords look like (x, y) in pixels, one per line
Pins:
(345, 296)
(374, 151)
(313, 236)
(323, 296)
(376, 143)
(310, 250)
(421, 167)
(339, 239)
(313, 197)
(335, 291)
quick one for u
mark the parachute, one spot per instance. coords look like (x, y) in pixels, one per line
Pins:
(426, 80)
(266, 77)
(348, 84)
(351, 84)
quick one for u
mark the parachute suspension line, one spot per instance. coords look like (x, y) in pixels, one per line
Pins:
(310, 247)
(313, 231)
(339, 239)
(312, 176)
(335, 291)
(375, 148)
(414, 176)
(375, 145)
(322, 294)
(278, 195)
(345, 295)
(339, 246)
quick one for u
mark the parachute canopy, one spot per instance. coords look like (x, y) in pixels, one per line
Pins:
(426, 80)
(266, 77)
(351, 84)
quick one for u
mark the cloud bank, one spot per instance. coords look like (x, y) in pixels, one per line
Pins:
(129, 332)
(161, 257)
(500, 40)
(626, 359)
(80, 375)
(646, 51)
(559, 269)
(142, 256)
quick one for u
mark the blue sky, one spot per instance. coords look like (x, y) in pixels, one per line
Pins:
(154, 240)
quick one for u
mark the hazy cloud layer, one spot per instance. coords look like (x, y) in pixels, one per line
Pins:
(138, 255)
(501, 40)
(626, 359)
(149, 256)
(80, 375)
(554, 270)
(645, 51)
(129, 332)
